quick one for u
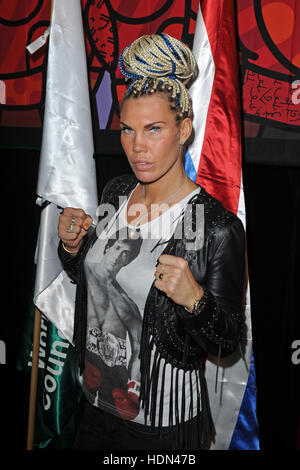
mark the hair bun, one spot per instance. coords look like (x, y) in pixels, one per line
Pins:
(158, 56)
(160, 62)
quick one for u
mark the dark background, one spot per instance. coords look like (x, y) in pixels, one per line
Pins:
(273, 211)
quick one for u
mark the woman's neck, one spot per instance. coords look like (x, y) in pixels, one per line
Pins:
(168, 190)
(158, 191)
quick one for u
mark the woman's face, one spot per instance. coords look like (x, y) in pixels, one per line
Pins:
(151, 136)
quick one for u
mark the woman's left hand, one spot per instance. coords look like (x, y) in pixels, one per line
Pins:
(174, 278)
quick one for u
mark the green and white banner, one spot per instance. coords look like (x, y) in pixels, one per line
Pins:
(58, 388)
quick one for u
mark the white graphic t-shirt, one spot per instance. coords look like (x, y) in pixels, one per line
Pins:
(120, 272)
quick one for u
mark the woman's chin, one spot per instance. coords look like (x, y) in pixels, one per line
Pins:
(145, 178)
(148, 177)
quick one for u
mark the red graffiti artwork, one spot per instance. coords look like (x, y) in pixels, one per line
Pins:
(269, 33)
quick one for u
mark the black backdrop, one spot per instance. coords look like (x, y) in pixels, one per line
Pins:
(273, 212)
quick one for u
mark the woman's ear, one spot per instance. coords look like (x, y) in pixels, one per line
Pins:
(186, 127)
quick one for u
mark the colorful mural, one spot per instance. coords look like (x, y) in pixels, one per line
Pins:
(269, 33)
(109, 25)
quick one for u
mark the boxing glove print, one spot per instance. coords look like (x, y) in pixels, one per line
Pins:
(127, 402)
(92, 376)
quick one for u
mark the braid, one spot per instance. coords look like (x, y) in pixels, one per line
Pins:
(159, 63)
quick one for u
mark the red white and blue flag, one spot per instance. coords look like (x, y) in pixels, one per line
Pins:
(214, 160)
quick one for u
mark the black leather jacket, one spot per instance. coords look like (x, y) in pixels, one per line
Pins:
(180, 338)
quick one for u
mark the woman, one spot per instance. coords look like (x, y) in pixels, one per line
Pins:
(170, 292)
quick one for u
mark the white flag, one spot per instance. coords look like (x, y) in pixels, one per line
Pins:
(67, 175)
(214, 161)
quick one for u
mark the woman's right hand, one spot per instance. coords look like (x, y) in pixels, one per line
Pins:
(78, 221)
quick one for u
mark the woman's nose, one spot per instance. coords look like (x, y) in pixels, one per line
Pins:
(139, 144)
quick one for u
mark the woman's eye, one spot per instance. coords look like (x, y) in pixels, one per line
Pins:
(126, 130)
(155, 129)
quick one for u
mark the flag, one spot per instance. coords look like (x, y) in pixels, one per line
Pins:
(67, 177)
(58, 391)
(214, 160)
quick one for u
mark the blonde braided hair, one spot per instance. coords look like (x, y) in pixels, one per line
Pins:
(159, 62)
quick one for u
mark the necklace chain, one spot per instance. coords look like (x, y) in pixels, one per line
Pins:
(136, 226)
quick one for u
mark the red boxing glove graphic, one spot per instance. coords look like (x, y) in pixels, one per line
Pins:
(127, 403)
(92, 376)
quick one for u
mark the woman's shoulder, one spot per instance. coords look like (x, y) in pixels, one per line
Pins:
(217, 216)
(118, 186)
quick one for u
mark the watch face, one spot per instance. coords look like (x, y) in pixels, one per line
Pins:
(199, 304)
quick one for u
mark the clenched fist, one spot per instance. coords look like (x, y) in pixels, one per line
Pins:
(73, 225)
(174, 278)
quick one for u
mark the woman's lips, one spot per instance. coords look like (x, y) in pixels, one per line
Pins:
(141, 166)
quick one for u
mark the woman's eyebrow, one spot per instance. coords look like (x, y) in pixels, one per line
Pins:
(151, 124)
(123, 124)
(154, 123)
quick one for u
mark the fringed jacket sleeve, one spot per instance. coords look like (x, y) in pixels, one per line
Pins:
(217, 324)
